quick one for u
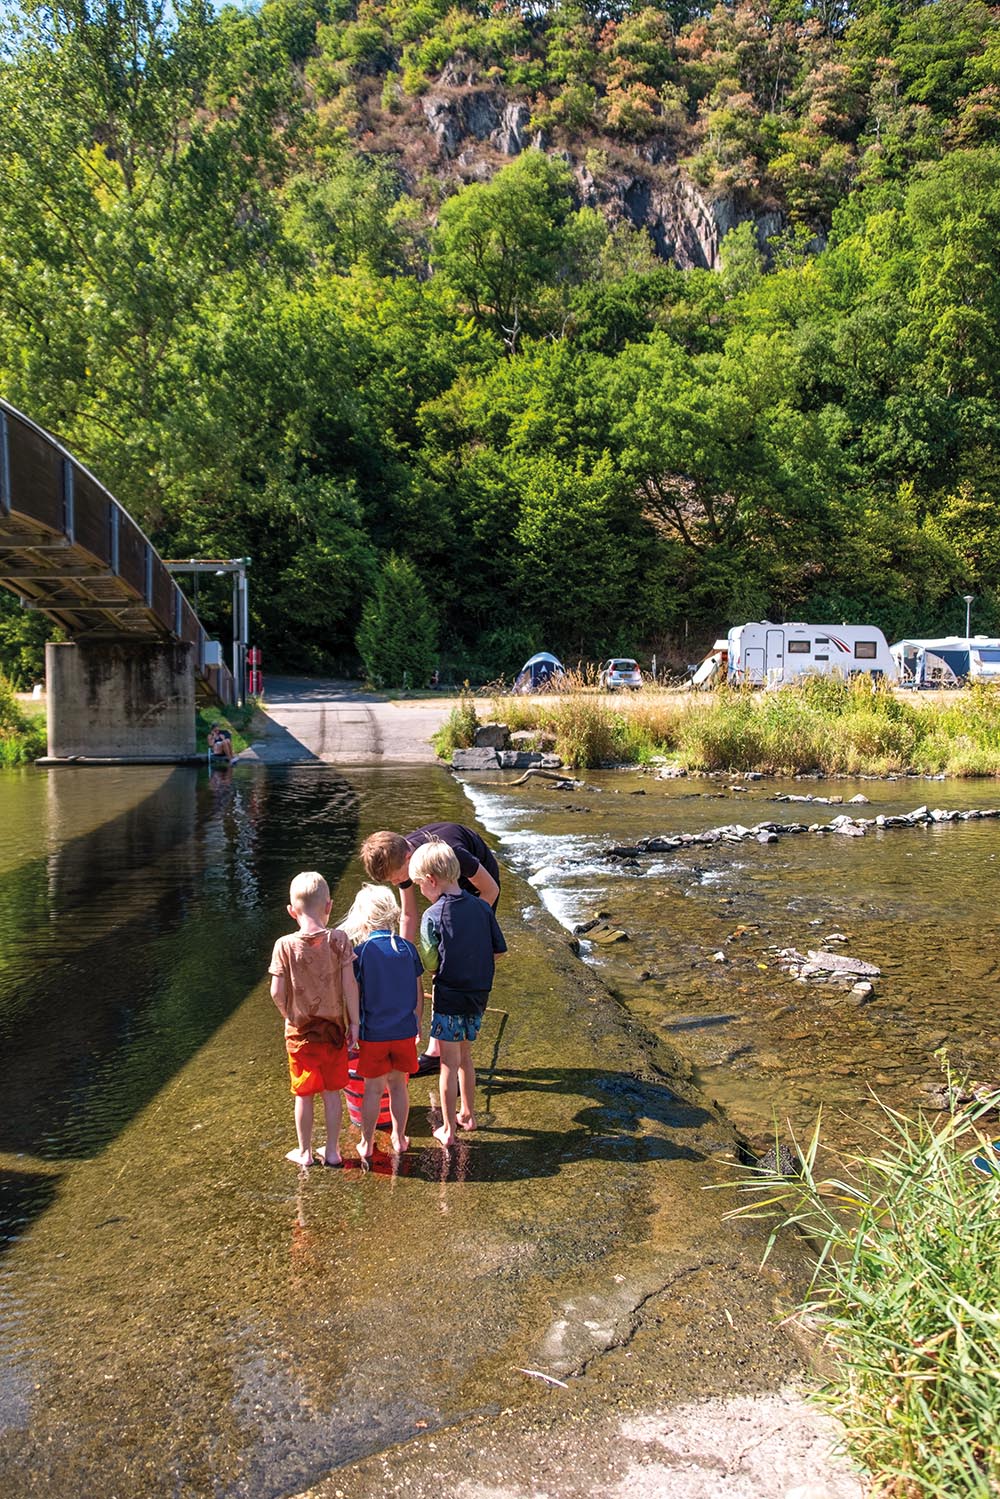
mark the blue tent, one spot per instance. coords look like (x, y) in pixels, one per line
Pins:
(539, 673)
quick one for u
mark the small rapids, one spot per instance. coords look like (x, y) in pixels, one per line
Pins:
(708, 900)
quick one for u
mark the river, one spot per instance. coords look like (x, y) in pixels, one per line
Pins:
(184, 1312)
(916, 902)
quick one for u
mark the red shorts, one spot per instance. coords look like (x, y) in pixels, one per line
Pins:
(317, 1067)
(376, 1058)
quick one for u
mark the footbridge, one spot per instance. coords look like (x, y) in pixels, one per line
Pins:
(123, 683)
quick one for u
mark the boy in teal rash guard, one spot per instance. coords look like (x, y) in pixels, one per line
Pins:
(461, 940)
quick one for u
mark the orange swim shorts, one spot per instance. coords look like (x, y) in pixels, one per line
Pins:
(317, 1067)
(376, 1058)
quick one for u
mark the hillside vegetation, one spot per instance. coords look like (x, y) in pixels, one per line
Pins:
(591, 327)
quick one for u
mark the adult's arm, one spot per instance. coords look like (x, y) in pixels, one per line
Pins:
(485, 884)
(409, 926)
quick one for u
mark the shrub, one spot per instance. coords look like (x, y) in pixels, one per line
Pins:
(22, 736)
(458, 730)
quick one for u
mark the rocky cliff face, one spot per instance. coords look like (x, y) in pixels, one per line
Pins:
(475, 130)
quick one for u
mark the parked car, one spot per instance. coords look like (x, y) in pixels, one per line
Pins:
(620, 671)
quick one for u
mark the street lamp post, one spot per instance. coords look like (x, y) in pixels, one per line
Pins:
(968, 597)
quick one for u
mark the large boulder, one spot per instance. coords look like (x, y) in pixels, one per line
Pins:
(492, 736)
(474, 759)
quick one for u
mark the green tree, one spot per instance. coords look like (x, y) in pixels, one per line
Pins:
(397, 638)
(505, 244)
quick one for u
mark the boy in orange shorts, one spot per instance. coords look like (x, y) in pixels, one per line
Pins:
(388, 970)
(313, 986)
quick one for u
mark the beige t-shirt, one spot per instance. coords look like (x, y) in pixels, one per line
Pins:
(312, 967)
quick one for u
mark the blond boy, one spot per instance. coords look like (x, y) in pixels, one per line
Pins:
(461, 941)
(314, 988)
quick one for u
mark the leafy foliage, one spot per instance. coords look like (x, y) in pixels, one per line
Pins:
(239, 277)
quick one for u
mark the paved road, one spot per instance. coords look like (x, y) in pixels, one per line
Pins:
(309, 718)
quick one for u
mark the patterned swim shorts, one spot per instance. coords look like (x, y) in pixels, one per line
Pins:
(455, 1027)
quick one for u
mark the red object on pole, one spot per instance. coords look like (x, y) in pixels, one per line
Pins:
(255, 677)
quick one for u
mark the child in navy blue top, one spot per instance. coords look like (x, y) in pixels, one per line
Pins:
(388, 970)
(462, 940)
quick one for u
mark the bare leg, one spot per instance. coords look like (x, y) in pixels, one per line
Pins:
(333, 1106)
(451, 1052)
(399, 1109)
(466, 1087)
(433, 1047)
(304, 1129)
(370, 1105)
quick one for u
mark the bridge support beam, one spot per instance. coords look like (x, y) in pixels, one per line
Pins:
(120, 700)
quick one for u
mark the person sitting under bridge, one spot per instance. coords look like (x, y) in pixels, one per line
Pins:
(220, 745)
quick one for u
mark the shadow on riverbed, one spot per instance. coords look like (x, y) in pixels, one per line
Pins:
(615, 1128)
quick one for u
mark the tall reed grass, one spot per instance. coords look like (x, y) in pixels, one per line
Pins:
(826, 725)
(906, 1294)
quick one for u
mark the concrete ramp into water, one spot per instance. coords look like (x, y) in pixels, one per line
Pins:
(335, 723)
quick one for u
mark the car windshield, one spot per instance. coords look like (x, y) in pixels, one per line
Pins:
(623, 666)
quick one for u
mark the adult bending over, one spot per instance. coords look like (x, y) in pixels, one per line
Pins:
(386, 859)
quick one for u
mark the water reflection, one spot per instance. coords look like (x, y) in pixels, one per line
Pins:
(137, 937)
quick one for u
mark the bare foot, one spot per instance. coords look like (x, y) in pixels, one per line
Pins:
(299, 1157)
(467, 1122)
(444, 1134)
(365, 1148)
(400, 1143)
(329, 1155)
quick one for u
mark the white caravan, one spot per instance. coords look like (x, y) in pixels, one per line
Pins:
(766, 655)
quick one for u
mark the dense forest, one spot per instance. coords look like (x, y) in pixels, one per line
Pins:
(591, 326)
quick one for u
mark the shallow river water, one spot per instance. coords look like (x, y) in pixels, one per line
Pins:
(182, 1312)
(919, 903)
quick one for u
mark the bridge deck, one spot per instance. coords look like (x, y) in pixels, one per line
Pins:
(68, 549)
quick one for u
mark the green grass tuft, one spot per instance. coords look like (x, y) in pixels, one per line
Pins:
(906, 1293)
(458, 730)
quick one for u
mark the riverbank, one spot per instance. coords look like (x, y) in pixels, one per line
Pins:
(22, 728)
(826, 726)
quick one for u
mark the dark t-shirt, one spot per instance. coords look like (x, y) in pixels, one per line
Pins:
(459, 935)
(387, 968)
(470, 850)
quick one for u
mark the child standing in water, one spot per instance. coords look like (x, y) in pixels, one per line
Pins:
(388, 970)
(314, 988)
(461, 936)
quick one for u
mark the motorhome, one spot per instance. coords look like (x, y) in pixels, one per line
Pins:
(762, 654)
(950, 661)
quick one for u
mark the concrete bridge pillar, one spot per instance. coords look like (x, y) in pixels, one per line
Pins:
(120, 700)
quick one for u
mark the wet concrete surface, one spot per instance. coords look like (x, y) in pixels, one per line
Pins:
(185, 1312)
(336, 722)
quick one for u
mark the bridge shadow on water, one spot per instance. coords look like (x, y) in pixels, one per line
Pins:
(126, 947)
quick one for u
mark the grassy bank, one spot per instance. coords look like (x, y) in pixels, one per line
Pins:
(22, 730)
(825, 725)
(906, 1295)
(237, 720)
